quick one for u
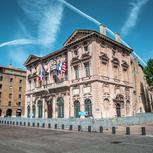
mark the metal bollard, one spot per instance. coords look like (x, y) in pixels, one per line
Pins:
(13, 122)
(89, 128)
(101, 129)
(55, 126)
(16, 123)
(143, 130)
(71, 127)
(20, 123)
(127, 130)
(113, 130)
(37, 124)
(5, 122)
(62, 126)
(33, 124)
(10, 122)
(79, 127)
(28, 123)
(49, 125)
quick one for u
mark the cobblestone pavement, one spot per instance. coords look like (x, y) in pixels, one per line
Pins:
(15, 139)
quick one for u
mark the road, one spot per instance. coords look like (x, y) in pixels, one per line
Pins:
(15, 139)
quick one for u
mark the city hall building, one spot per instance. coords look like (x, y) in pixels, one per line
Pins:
(92, 73)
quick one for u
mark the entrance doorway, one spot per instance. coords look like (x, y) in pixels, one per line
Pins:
(50, 109)
(18, 112)
(9, 112)
(118, 110)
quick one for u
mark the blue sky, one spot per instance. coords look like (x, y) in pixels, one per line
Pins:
(40, 27)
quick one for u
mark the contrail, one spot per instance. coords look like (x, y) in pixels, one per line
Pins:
(19, 42)
(73, 8)
(80, 12)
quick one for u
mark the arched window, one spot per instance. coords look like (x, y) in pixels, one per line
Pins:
(118, 110)
(28, 111)
(33, 111)
(40, 109)
(60, 104)
(76, 108)
(88, 106)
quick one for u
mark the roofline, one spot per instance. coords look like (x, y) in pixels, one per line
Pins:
(11, 68)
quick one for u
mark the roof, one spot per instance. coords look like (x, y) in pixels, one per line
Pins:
(76, 36)
(12, 68)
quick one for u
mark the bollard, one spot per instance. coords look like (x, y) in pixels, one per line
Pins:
(49, 125)
(28, 123)
(113, 130)
(79, 127)
(33, 124)
(143, 130)
(89, 128)
(55, 126)
(71, 127)
(5, 122)
(20, 123)
(16, 123)
(10, 122)
(127, 130)
(37, 124)
(101, 129)
(24, 123)
(13, 122)
(62, 126)
(43, 125)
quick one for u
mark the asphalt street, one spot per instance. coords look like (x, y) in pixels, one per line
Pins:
(15, 139)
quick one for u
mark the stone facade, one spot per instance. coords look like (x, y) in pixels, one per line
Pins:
(102, 78)
(12, 91)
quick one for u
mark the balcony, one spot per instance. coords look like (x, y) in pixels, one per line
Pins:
(75, 59)
(86, 55)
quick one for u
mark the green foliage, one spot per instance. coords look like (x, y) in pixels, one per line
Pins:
(148, 70)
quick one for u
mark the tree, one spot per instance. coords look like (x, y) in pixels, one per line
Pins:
(148, 70)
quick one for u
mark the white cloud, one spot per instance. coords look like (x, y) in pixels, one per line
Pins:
(133, 16)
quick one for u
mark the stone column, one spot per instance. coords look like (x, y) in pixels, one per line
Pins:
(43, 109)
(54, 107)
(36, 105)
(66, 106)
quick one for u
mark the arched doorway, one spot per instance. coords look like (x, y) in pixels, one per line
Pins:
(40, 109)
(76, 109)
(49, 109)
(60, 104)
(33, 111)
(118, 110)
(0, 112)
(88, 107)
(9, 112)
(28, 111)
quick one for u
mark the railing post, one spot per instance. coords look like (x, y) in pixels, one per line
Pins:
(143, 130)
(113, 130)
(101, 129)
(62, 126)
(89, 128)
(127, 130)
(71, 127)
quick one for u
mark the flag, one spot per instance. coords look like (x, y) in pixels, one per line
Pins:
(60, 67)
(42, 73)
(64, 68)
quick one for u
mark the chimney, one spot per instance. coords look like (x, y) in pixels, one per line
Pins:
(117, 37)
(10, 66)
(102, 29)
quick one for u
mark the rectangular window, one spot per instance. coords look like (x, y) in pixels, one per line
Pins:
(87, 69)
(20, 89)
(9, 103)
(19, 96)
(10, 96)
(76, 69)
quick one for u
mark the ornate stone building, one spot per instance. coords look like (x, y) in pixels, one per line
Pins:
(101, 78)
(12, 91)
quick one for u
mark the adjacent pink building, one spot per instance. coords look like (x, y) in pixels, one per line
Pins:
(92, 73)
